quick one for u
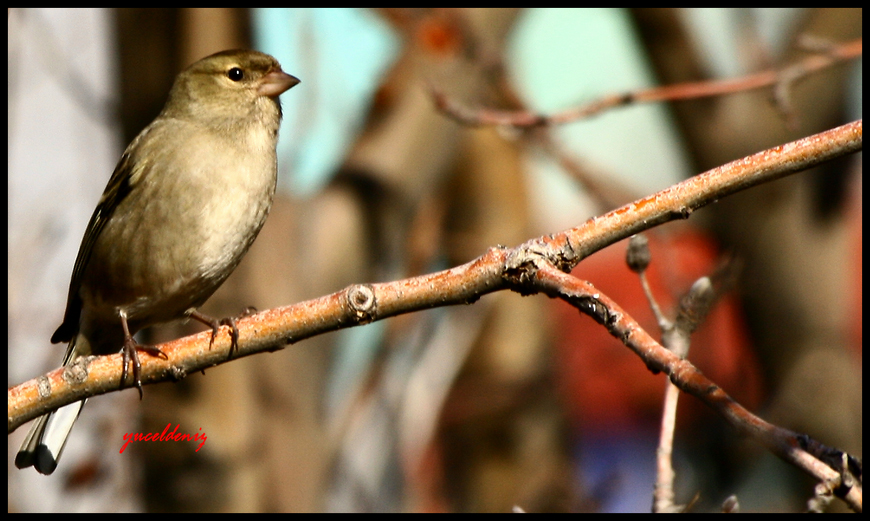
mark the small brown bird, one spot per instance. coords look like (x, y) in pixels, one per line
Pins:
(181, 209)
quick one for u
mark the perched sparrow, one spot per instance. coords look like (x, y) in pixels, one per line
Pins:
(184, 204)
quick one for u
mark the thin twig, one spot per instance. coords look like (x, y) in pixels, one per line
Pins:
(781, 79)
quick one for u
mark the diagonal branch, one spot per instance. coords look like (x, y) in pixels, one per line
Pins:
(790, 446)
(564, 250)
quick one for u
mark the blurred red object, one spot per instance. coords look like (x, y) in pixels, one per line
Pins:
(607, 386)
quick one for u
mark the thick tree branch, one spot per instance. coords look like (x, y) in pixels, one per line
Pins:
(498, 269)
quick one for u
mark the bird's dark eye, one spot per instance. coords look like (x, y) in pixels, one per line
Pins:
(235, 74)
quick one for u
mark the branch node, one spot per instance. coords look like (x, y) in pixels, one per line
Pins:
(77, 373)
(362, 303)
(43, 387)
